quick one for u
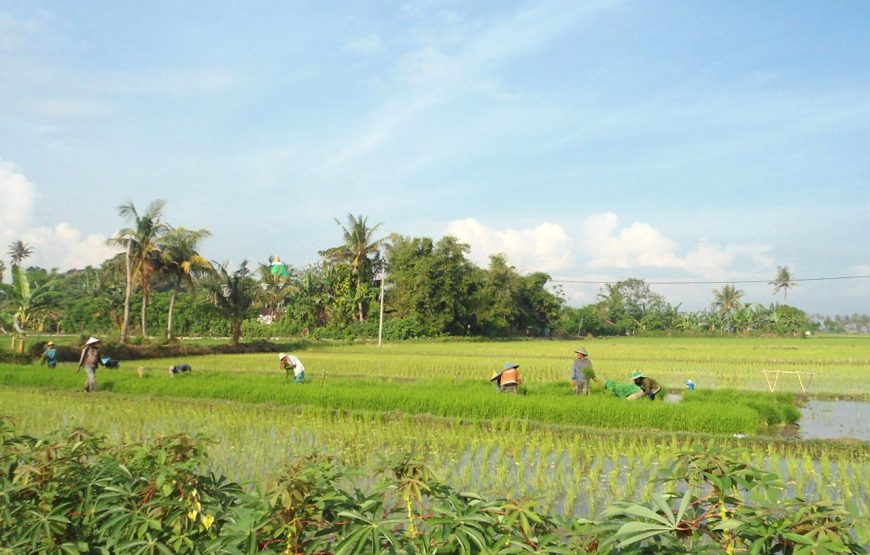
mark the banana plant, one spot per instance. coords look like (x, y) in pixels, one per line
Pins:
(25, 304)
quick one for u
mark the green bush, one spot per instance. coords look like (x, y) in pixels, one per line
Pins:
(17, 358)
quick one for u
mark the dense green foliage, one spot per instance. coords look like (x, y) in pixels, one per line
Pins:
(76, 494)
(432, 289)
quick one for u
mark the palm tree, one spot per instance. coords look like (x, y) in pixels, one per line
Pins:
(727, 299)
(783, 282)
(2, 270)
(140, 242)
(181, 261)
(274, 291)
(233, 295)
(359, 245)
(18, 251)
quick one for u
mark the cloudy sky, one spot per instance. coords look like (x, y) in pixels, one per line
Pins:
(593, 140)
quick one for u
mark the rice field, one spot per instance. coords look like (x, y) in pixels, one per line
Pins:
(433, 399)
(841, 365)
(571, 471)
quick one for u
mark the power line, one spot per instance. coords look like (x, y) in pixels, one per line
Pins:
(589, 282)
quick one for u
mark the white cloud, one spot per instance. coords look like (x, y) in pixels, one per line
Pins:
(542, 248)
(640, 245)
(17, 193)
(454, 62)
(62, 246)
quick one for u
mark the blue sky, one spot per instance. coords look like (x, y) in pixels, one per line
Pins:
(592, 140)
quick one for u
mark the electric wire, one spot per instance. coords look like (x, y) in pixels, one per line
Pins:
(767, 281)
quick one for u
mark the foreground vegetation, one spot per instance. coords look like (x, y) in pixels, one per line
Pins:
(75, 494)
(572, 471)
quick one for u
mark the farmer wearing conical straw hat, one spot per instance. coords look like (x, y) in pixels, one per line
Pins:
(582, 366)
(510, 378)
(49, 357)
(90, 359)
(649, 386)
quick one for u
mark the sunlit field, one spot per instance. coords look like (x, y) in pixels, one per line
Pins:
(841, 365)
(433, 399)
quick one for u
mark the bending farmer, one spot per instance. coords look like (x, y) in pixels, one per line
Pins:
(510, 378)
(649, 386)
(627, 391)
(290, 362)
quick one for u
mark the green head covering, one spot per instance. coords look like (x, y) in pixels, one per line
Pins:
(637, 374)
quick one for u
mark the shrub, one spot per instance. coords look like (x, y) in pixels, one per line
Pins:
(73, 493)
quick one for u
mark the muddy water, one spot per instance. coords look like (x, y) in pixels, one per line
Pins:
(835, 420)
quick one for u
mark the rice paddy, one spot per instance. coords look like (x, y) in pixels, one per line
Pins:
(433, 400)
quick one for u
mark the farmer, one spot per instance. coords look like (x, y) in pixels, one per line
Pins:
(649, 386)
(178, 369)
(496, 377)
(49, 357)
(627, 391)
(579, 379)
(290, 362)
(510, 378)
(90, 359)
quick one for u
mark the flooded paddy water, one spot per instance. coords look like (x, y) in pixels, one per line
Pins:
(835, 420)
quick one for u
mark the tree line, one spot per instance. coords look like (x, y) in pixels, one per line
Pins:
(432, 289)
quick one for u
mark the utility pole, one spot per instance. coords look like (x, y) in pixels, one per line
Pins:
(381, 265)
(381, 316)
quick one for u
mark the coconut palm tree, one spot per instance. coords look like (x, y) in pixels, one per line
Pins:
(783, 282)
(727, 299)
(358, 248)
(18, 251)
(274, 291)
(2, 270)
(233, 295)
(140, 242)
(180, 260)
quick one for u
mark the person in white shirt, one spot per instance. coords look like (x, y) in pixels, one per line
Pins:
(290, 362)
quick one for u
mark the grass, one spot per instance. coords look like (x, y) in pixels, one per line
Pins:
(842, 365)
(547, 403)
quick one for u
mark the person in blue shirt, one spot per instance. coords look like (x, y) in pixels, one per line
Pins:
(49, 357)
